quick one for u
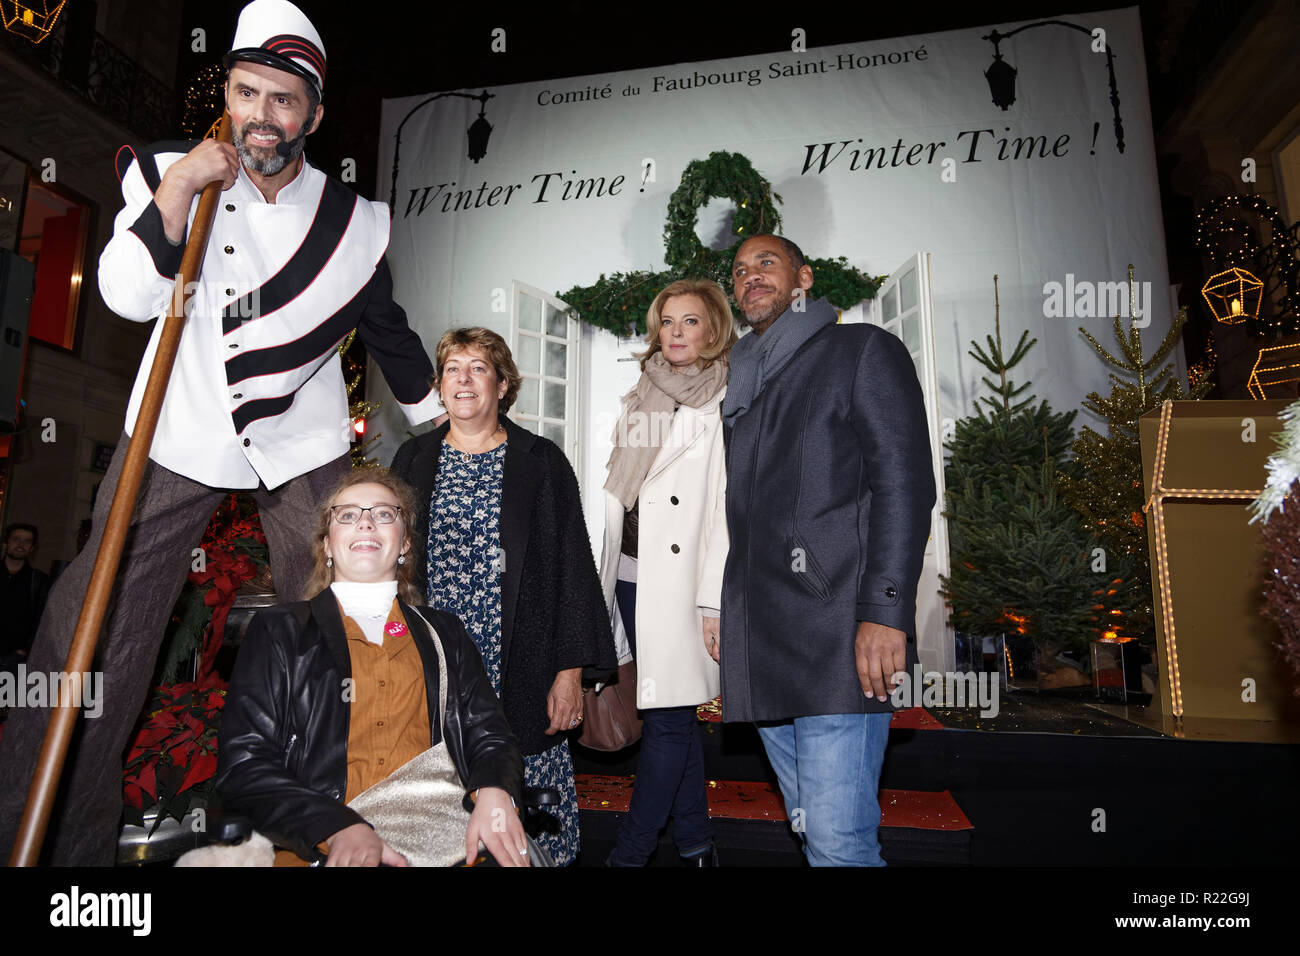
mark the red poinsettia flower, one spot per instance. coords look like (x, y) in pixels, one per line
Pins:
(174, 750)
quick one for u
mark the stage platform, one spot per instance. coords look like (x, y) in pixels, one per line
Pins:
(1055, 779)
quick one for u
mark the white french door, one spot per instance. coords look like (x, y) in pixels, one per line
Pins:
(903, 306)
(545, 341)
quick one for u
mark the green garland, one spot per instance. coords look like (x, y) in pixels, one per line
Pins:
(619, 302)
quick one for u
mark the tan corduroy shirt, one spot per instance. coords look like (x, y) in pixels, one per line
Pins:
(388, 722)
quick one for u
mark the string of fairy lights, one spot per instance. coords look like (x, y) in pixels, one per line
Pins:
(1155, 507)
(203, 101)
(1232, 244)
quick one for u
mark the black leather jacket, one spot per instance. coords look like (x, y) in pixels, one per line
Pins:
(282, 757)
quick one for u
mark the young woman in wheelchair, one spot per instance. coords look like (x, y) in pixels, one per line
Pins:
(358, 696)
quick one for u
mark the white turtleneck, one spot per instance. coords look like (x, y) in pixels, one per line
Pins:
(367, 604)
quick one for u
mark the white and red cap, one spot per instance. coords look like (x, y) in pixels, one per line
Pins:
(275, 33)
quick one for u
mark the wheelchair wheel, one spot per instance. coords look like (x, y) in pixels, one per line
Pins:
(538, 855)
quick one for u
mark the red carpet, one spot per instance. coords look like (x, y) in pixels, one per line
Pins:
(746, 800)
(914, 718)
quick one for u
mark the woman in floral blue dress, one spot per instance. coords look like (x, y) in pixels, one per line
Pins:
(508, 553)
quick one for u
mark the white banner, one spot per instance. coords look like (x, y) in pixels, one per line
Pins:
(880, 150)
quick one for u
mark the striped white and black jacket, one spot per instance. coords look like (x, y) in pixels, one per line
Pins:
(257, 392)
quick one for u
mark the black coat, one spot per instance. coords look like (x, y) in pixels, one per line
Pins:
(553, 614)
(829, 498)
(282, 753)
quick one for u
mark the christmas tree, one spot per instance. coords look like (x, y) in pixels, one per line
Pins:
(1105, 487)
(1022, 562)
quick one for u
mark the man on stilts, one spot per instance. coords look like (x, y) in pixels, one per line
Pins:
(295, 262)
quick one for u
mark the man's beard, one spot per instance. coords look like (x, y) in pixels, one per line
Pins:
(765, 315)
(258, 161)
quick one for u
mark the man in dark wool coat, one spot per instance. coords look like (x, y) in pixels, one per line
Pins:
(829, 498)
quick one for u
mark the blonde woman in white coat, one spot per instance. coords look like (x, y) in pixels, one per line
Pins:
(661, 567)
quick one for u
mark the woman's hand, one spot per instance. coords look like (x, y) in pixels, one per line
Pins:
(564, 703)
(496, 825)
(712, 635)
(359, 845)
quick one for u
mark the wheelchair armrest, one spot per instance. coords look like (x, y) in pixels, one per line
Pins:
(534, 797)
(226, 827)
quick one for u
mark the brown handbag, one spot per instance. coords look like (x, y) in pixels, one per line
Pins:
(610, 719)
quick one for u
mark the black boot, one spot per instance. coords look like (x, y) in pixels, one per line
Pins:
(708, 857)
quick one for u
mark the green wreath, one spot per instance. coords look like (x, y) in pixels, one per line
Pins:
(619, 302)
(722, 176)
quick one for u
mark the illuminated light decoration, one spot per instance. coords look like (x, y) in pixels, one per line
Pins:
(1229, 241)
(32, 20)
(204, 98)
(359, 410)
(1233, 295)
(1202, 371)
(1116, 673)
(1280, 366)
(1021, 621)
(1155, 506)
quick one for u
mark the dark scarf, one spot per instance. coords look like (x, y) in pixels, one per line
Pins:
(756, 359)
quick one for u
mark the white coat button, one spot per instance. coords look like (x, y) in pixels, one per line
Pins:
(674, 500)
(675, 549)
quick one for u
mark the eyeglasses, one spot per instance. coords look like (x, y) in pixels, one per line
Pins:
(351, 514)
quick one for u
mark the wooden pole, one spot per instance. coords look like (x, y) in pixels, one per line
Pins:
(54, 749)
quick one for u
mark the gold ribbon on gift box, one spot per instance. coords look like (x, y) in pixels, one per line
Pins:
(1155, 507)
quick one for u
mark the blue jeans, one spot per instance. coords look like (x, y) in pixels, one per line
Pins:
(829, 770)
(669, 774)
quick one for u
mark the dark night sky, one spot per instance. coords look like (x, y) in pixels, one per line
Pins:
(406, 49)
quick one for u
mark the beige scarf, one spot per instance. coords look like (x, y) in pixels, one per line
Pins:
(646, 419)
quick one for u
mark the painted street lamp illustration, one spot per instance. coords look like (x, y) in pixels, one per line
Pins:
(1001, 75)
(478, 133)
